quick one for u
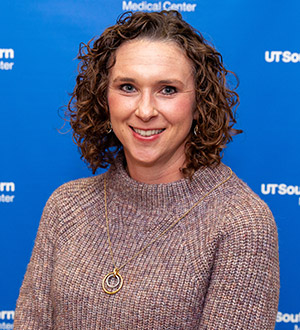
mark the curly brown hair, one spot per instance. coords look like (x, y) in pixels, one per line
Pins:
(215, 102)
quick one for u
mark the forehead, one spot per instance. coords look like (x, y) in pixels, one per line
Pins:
(154, 56)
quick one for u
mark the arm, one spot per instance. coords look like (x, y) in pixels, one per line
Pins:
(244, 285)
(34, 307)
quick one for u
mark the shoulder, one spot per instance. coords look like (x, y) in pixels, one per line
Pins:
(72, 205)
(243, 201)
(245, 212)
(81, 190)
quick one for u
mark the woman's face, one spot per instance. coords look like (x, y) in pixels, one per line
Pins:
(151, 98)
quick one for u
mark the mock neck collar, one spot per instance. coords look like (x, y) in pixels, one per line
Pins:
(150, 196)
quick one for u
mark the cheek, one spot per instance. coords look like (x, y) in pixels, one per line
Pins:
(116, 106)
(112, 101)
(181, 111)
(119, 106)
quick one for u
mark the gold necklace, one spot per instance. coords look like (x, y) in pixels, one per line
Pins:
(113, 281)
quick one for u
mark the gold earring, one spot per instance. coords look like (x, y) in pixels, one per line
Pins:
(196, 130)
(109, 127)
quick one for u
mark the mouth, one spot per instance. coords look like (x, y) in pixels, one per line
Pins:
(148, 132)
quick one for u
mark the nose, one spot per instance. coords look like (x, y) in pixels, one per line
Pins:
(146, 108)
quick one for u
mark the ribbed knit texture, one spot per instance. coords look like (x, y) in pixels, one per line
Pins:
(216, 269)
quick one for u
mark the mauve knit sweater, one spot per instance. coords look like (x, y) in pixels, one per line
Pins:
(216, 269)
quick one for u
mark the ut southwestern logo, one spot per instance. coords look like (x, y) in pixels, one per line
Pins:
(280, 189)
(6, 316)
(157, 6)
(6, 187)
(279, 56)
(5, 54)
(289, 318)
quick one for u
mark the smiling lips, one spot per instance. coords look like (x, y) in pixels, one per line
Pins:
(147, 133)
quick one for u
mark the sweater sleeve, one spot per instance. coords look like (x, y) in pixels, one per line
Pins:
(34, 307)
(244, 285)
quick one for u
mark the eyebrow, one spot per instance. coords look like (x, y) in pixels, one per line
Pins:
(163, 81)
(124, 79)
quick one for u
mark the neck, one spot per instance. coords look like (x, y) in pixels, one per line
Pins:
(155, 174)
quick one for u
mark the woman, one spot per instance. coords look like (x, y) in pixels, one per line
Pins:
(169, 237)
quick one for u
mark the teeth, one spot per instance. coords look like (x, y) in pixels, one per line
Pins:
(148, 132)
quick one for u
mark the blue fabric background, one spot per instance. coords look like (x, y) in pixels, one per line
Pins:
(44, 36)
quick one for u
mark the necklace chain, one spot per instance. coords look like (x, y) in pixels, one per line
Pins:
(115, 272)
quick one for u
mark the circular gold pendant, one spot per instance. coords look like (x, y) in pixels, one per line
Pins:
(112, 282)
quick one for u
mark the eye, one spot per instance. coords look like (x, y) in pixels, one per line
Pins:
(127, 88)
(169, 90)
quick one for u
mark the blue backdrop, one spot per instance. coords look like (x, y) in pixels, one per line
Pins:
(39, 41)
